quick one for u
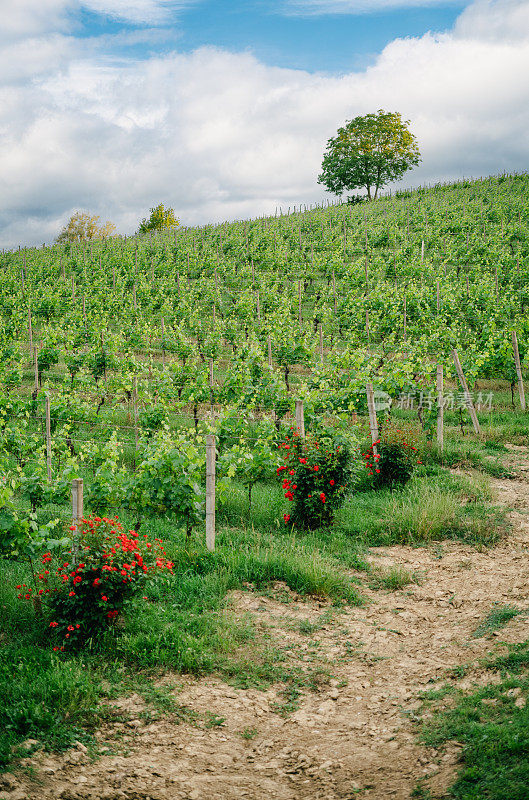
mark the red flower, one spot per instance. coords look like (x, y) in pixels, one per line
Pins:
(70, 628)
(291, 472)
(322, 497)
(280, 469)
(286, 517)
(104, 597)
(302, 460)
(53, 624)
(71, 594)
(316, 468)
(331, 482)
(77, 579)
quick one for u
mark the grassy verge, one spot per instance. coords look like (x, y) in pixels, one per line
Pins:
(492, 724)
(436, 504)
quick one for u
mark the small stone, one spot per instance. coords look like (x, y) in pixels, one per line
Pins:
(520, 702)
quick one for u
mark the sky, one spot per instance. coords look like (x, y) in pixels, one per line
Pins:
(222, 110)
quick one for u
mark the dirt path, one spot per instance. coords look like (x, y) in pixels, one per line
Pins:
(354, 736)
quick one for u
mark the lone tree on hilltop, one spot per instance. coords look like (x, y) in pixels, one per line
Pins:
(161, 218)
(369, 152)
(82, 227)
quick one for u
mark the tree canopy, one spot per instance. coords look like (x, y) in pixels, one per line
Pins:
(82, 227)
(369, 152)
(160, 219)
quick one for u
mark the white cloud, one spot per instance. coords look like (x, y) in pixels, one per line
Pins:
(139, 12)
(494, 20)
(320, 7)
(29, 18)
(220, 135)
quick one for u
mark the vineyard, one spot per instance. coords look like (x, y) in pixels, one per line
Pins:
(176, 380)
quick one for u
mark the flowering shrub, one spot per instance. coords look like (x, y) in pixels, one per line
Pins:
(394, 462)
(314, 476)
(82, 596)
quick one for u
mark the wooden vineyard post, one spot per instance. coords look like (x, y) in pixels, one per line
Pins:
(48, 437)
(258, 306)
(210, 492)
(163, 342)
(36, 364)
(334, 290)
(77, 514)
(373, 424)
(468, 398)
(30, 330)
(521, 389)
(23, 285)
(496, 281)
(269, 342)
(320, 329)
(404, 331)
(73, 289)
(440, 408)
(300, 418)
(135, 411)
(134, 297)
(211, 395)
(300, 318)
(84, 308)
(438, 297)
(422, 251)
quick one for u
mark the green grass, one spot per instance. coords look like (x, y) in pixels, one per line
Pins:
(492, 724)
(434, 505)
(393, 579)
(497, 618)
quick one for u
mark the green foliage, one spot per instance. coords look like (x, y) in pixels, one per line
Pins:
(168, 480)
(369, 152)
(393, 464)
(160, 219)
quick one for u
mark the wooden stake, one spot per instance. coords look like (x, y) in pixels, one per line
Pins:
(521, 389)
(210, 492)
(320, 328)
(440, 408)
(48, 437)
(258, 306)
(135, 410)
(77, 514)
(334, 290)
(300, 418)
(30, 330)
(438, 297)
(269, 341)
(464, 386)
(211, 384)
(373, 424)
(36, 362)
(300, 318)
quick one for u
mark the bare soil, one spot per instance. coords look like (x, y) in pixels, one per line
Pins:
(354, 734)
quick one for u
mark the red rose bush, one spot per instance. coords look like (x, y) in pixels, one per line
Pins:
(83, 591)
